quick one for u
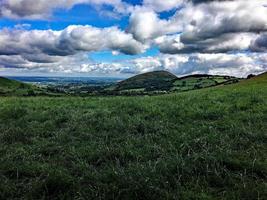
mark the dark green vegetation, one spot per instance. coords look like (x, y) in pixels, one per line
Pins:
(202, 144)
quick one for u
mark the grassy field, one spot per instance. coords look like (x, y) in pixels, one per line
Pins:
(202, 144)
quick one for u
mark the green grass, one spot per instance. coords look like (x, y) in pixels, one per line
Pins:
(202, 144)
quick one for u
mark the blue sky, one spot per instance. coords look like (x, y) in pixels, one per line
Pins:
(122, 38)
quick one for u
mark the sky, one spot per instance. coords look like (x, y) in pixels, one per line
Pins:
(121, 38)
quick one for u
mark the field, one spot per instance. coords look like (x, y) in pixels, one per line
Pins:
(202, 144)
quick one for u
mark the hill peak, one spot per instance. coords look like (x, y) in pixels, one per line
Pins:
(153, 79)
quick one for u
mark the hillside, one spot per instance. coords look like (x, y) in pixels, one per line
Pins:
(157, 80)
(258, 79)
(201, 144)
(161, 82)
(7, 83)
(199, 81)
(10, 87)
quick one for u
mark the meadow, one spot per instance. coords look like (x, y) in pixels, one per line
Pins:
(202, 144)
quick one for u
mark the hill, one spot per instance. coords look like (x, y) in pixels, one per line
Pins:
(9, 87)
(5, 82)
(162, 82)
(12, 87)
(260, 78)
(157, 80)
(201, 144)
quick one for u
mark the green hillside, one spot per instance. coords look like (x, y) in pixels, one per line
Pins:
(193, 82)
(157, 80)
(162, 82)
(201, 144)
(11, 87)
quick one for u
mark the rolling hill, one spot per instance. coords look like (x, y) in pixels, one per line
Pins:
(157, 80)
(162, 82)
(201, 144)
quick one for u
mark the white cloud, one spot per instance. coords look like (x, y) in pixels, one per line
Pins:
(33, 9)
(69, 41)
(162, 5)
(239, 65)
(199, 38)
(215, 26)
(145, 25)
(224, 43)
(213, 19)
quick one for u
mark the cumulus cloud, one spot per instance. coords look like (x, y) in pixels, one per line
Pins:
(145, 25)
(260, 43)
(209, 20)
(160, 5)
(63, 51)
(32, 9)
(203, 36)
(239, 65)
(217, 26)
(69, 41)
(222, 44)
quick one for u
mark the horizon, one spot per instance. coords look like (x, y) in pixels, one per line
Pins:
(123, 38)
(113, 77)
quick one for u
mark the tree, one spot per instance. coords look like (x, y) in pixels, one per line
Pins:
(250, 76)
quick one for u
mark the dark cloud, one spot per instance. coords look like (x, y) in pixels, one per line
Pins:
(259, 44)
(221, 44)
(33, 9)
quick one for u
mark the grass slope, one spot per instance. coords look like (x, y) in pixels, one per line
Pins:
(202, 144)
(10, 87)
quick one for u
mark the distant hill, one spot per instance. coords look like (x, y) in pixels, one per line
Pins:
(157, 80)
(163, 81)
